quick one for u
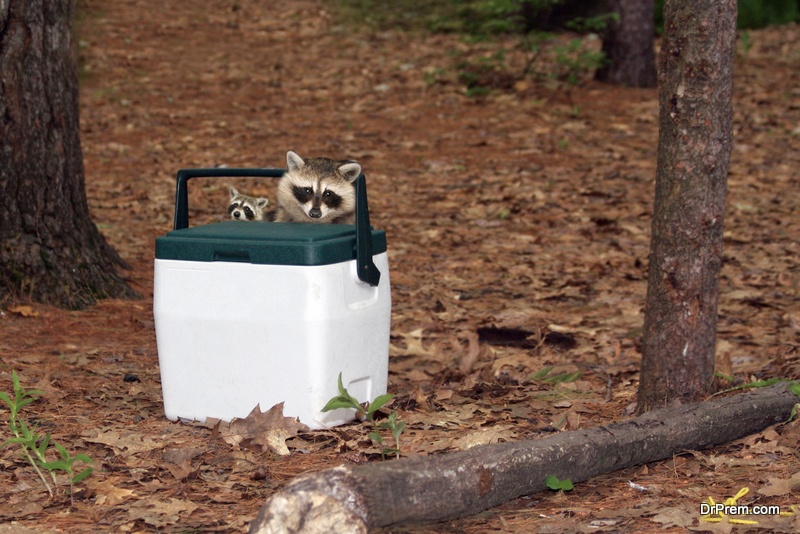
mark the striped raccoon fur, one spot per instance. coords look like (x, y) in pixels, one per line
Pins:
(245, 208)
(317, 190)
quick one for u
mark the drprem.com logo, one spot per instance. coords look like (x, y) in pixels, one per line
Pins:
(738, 509)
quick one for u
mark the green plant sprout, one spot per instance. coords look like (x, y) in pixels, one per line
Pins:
(556, 379)
(34, 446)
(554, 484)
(345, 400)
(396, 428)
(367, 410)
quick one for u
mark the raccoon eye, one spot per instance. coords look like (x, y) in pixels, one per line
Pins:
(248, 211)
(326, 194)
(309, 191)
(235, 205)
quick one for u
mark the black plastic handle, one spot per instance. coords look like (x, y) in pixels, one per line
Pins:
(365, 267)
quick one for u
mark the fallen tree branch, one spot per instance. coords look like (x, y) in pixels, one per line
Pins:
(352, 499)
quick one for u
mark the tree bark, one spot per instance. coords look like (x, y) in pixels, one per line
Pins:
(694, 147)
(628, 45)
(50, 251)
(354, 499)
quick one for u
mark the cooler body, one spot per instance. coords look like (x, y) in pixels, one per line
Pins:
(233, 335)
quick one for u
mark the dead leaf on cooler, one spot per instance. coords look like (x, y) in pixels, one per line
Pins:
(268, 429)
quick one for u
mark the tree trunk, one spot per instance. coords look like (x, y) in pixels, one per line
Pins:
(694, 147)
(50, 251)
(350, 499)
(628, 45)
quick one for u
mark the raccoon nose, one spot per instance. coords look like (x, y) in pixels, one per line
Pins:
(315, 213)
(236, 214)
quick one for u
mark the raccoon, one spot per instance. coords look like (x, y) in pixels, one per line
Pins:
(245, 208)
(317, 190)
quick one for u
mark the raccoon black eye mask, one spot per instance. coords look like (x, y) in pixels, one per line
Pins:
(317, 190)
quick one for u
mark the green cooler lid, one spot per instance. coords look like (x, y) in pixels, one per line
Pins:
(266, 243)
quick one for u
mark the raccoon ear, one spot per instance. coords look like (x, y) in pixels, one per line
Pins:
(293, 161)
(261, 203)
(350, 171)
(234, 192)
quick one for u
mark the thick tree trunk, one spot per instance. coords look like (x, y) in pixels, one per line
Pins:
(628, 45)
(50, 251)
(354, 499)
(694, 147)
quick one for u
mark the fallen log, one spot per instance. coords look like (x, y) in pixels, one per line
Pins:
(352, 499)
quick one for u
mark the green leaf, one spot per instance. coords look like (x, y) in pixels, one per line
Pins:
(554, 484)
(397, 430)
(83, 458)
(538, 375)
(379, 402)
(564, 377)
(61, 450)
(341, 402)
(376, 437)
(43, 446)
(58, 464)
(83, 474)
(4, 398)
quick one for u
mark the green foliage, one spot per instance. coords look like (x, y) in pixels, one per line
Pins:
(554, 484)
(33, 446)
(481, 20)
(368, 409)
(557, 379)
(575, 61)
(345, 400)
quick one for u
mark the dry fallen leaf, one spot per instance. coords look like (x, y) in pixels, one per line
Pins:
(269, 429)
(24, 310)
(158, 513)
(485, 436)
(179, 461)
(780, 486)
(108, 494)
(680, 516)
(123, 443)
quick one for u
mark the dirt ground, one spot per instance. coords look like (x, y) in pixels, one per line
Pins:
(526, 210)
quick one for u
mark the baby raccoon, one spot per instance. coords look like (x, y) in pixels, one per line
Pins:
(317, 190)
(245, 208)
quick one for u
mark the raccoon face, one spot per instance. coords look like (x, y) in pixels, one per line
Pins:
(314, 203)
(317, 190)
(245, 208)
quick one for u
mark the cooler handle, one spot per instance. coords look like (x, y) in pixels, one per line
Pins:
(365, 267)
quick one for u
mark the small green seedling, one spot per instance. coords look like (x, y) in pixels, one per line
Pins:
(556, 379)
(554, 484)
(34, 446)
(367, 410)
(345, 400)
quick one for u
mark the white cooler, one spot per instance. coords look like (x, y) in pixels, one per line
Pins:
(258, 313)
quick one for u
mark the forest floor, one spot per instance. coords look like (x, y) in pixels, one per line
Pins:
(518, 227)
